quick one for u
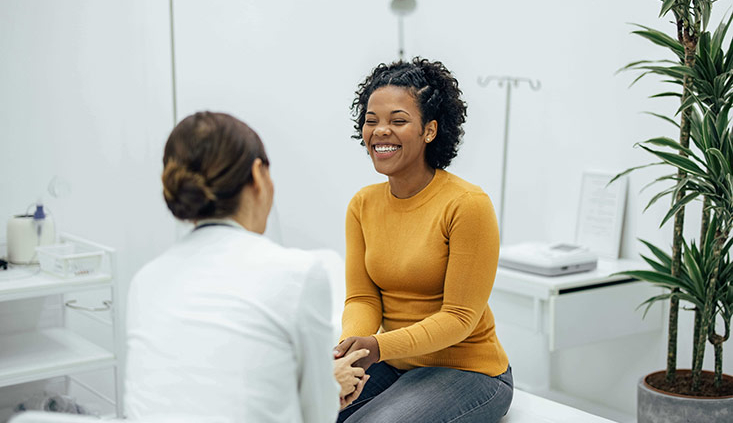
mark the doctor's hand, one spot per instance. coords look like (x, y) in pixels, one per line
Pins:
(348, 377)
(354, 343)
(345, 401)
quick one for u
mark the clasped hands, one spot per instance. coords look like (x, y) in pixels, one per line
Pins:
(351, 359)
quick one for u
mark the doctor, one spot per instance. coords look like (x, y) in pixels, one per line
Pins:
(226, 324)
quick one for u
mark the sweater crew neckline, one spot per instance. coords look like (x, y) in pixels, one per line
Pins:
(422, 197)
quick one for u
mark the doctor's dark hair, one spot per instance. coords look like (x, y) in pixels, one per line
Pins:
(437, 95)
(207, 161)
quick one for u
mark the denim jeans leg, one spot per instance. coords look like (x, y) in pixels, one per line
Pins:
(437, 394)
(382, 376)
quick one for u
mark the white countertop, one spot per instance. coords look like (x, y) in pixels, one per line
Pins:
(542, 287)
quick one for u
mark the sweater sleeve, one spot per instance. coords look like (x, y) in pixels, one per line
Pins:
(363, 306)
(473, 256)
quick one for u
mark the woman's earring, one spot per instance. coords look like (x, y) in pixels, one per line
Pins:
(427, 140)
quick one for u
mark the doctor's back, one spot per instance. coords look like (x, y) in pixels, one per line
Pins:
(226, 323)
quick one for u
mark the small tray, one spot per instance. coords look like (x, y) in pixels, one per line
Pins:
(68, 259)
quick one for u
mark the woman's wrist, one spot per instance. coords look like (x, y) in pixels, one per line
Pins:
(375, 352)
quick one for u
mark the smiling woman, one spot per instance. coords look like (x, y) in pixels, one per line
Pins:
(421, 256)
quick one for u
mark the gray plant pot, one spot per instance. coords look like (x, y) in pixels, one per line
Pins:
(655, 406)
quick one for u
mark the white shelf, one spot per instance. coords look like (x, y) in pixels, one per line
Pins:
(37, 355)
(42, 283)
(543, 287)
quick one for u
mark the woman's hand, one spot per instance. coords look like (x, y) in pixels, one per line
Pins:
(348, 377)
(354, 343)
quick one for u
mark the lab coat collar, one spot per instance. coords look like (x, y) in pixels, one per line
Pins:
(219, 222)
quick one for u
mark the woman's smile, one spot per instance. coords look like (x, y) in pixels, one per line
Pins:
(385, 151)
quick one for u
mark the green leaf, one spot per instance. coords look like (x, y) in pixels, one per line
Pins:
(668, 142)
(683, 70)
(658, 180)
(650, 302)
(651, 276)
(672, 81)
(633, 65)
(663, 257)
(676, 161)
(706, 9)
(665, 118)
(667, 94)
(655, 265)
(665, 71)
(679, 205)
(724, 164)
(638, 78)
(631, 169)
(687, 102)
(690, 298)
(693, 270)
(658, 196)
(728, 56)
(667, 5)
(719, 35)
(661, 39)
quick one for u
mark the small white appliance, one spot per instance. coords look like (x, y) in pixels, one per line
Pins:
(26, 232)
(547, 259)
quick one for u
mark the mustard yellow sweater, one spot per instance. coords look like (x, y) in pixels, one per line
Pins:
(422, 269)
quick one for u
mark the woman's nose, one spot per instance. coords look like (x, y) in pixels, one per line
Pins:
(382, 131)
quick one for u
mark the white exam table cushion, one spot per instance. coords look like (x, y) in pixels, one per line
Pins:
(528, 408)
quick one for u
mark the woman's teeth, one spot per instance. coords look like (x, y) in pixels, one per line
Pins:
(386, 148)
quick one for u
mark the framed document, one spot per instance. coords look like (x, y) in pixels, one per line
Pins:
(601, 213)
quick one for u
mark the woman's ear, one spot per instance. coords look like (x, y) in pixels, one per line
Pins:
(431, 131)
(259, 176)
(262, 182)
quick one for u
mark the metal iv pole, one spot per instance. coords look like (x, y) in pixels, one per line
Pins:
(402, 8)
(507, 81)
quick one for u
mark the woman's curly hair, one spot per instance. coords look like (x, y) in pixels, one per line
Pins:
(438, 98)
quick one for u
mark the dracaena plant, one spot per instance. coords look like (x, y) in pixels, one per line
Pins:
(701, 72)
(708, 175)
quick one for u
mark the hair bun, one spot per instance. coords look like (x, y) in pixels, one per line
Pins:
(186, 193)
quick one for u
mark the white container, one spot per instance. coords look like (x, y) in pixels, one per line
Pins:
(23, 238)
(68, 260)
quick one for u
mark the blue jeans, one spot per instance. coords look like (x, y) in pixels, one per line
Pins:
(430, 395)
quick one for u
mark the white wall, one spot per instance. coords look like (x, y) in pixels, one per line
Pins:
(85, 93)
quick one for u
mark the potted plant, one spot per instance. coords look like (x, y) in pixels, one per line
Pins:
(698, 273)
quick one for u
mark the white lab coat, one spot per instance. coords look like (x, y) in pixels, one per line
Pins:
(229, 324)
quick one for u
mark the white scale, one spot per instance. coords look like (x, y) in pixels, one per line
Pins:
(548, 259)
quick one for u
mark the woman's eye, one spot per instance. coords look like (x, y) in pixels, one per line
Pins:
(399, 122)
(370, 122)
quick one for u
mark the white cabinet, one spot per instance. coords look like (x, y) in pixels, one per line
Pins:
(539, 316)
(61, 334)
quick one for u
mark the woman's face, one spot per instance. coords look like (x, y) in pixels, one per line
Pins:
(393, 132)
